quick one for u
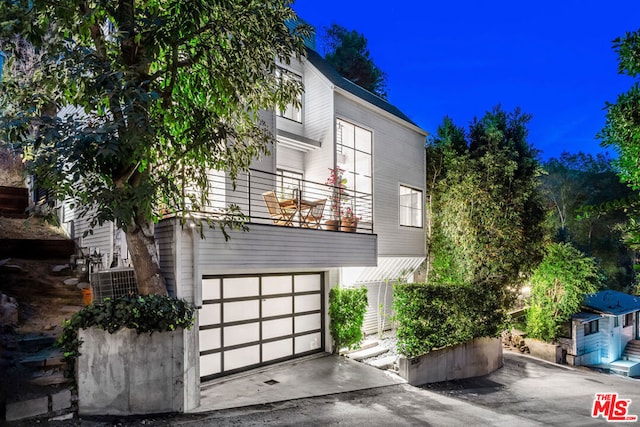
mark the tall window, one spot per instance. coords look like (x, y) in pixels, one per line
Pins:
(292, 112)
(627, 320)
(288, 181)
(410, 207)
(353, 150)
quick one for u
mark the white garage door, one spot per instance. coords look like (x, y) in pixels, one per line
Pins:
(250, 321)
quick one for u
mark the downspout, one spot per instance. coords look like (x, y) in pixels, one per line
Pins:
(196, 279)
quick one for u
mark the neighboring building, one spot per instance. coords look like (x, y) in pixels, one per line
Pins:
(606, 331)
(263, 295)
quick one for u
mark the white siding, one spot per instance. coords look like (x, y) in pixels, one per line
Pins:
(290, 159)
(165, 240)
(398, 158)
(267, 247)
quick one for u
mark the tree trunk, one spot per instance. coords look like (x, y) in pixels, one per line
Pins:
(144, 257)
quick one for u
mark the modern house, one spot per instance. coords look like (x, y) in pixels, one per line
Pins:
(606, 331)
(262, 295)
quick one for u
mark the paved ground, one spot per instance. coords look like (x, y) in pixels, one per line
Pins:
(525, 392)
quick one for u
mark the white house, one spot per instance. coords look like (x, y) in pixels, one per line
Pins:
(606, 331)
(262, 296)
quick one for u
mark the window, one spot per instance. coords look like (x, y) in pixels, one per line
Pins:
(591, 327)
(293, 111)
(410, 207)
(627, 320)
(353, 152)
(288, 181)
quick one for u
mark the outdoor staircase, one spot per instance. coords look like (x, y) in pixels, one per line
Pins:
(373, 352)
(632, 351)
(629, 363)
(47, 392)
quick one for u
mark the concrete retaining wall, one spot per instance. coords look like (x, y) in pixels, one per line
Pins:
(545, 351)
(127, 373)
(478, 357)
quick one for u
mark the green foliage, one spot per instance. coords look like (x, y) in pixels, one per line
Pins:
(347, 307)
(558, 286)
(485, 212)
(349, 55)
(159, 93)
(432, 316)
(585, 203)
(150, 313)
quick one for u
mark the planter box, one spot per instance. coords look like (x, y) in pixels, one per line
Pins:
(127, 373)
(545, 351)
(475, 358)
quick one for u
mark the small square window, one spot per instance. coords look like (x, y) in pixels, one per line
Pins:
(591, 327)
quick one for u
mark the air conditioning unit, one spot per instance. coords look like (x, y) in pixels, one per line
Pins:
(113, 283)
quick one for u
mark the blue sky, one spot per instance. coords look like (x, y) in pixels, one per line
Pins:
(553, 59)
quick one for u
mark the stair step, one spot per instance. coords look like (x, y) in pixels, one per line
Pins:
(46, 358)
(367, 353)
(36, 341)
(56, 378)
(386, 362)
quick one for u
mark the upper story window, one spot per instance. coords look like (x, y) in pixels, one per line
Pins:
(293, 111)
(591, 327)
(410, 207)
(353, 153)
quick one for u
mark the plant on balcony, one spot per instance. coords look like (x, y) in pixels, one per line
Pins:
(338, 195)
(349, 220)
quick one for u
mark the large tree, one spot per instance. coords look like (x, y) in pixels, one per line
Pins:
(155, 94)
(576, 187)
(347, 52)
(485, 209)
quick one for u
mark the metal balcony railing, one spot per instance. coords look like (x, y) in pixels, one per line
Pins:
(300, 203)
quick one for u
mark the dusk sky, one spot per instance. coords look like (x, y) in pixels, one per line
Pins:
(553, 59)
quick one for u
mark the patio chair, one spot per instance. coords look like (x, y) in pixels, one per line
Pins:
(315, 214)
(278, 214)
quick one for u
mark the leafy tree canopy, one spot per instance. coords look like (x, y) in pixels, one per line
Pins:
(160, 93)
(558, 286)
(575, 188)
(484, 211)
(347, 52)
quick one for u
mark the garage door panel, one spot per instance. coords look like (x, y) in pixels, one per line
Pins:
(308, 303)
(277, 349)
(209, 339)
(307, 343)
(240, 287)
(249, 321)
(210, 289)
(238, 311)
(241, 357)
(236, 335)
(309, 322)
(308, 283)
(277, 328)
(272, 285)
(209, 314)
(210, 364)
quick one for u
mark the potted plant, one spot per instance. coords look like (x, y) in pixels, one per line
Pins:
(338, 195)
(349, 221)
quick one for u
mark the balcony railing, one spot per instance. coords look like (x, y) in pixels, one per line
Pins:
(300, 203)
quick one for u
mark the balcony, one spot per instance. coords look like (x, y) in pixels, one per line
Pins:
(272, 199)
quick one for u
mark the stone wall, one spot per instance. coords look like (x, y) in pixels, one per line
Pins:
(545, 351)
(475, 358)
(127, 373)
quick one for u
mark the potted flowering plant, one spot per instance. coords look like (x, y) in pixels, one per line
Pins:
(349, 221)
(338, 195)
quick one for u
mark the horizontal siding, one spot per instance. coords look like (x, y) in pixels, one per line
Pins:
(275, 247)
(165, 240)
(379, 295)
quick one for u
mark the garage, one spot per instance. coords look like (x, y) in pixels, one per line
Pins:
(247, 321)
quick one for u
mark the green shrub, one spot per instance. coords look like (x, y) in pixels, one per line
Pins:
(149, 313)
(432, 316)
(347, 307)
